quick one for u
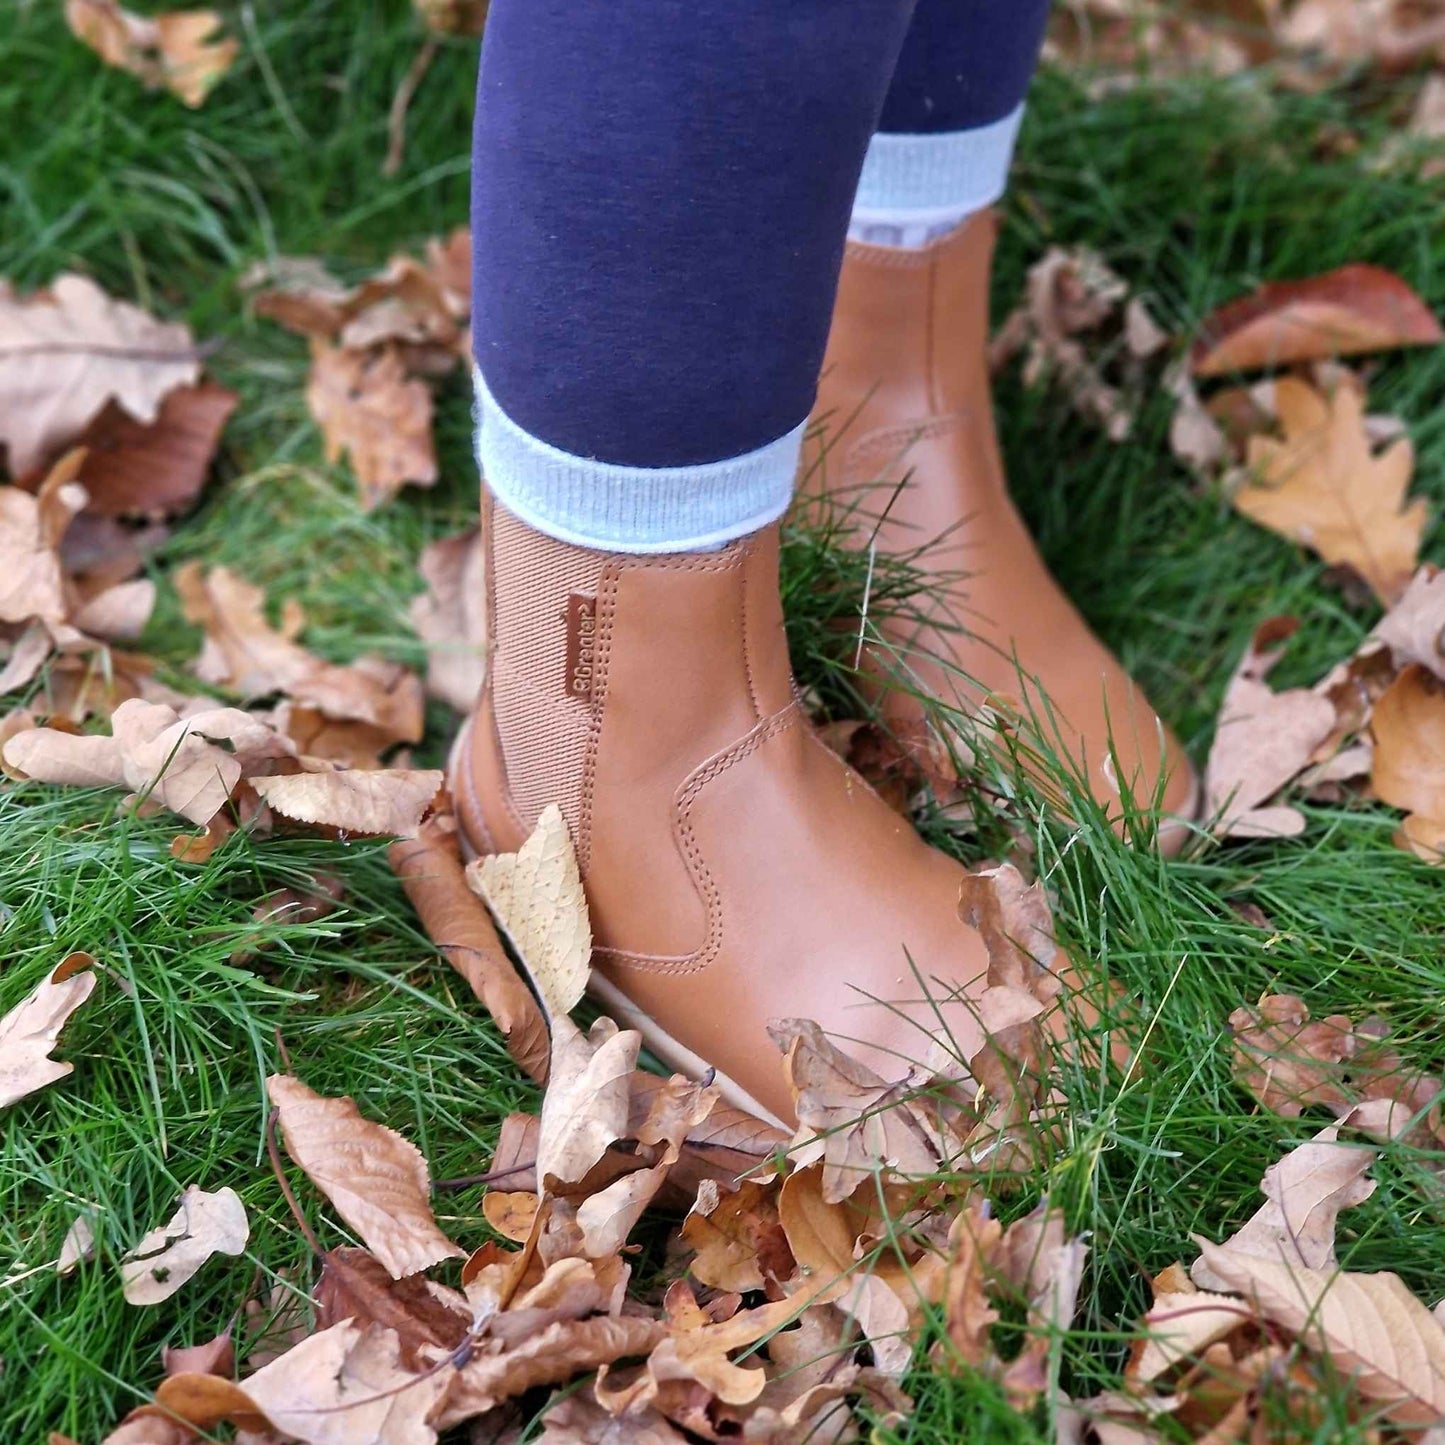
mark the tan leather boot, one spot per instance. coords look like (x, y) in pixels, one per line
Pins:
(904, 432)
(736, 870)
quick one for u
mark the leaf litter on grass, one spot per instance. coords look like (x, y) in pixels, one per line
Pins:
(951, 1262)
(800, 1302)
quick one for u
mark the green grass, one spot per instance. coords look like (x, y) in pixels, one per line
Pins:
(1193, 192)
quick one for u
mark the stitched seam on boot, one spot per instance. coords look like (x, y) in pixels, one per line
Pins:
(893, 441)
(709, 771)
(606, 615)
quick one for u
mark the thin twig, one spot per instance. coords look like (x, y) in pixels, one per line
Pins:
(467, 1180)
(400, 103)
(280, 1173)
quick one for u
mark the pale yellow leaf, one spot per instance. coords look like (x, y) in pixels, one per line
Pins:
(537, 899)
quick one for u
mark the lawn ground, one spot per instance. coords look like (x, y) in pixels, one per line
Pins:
(1195, 192)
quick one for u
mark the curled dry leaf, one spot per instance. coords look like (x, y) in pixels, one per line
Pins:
(737, 1235)
(171, 760)
(1408, 727)
(847, 1116)
(32, 1028)
(68, 350)
(1262, 740)
(384, 802)
(550, 1356)
(33, 582)
(422, 307)
(1305, 1192)
(968, 1316)
(537, 899)
(1179, 1326)
(585, 1108)
(1370, 1326)
(608, 1217)
(244, 653)
(203, 1225)
(176, 49)
(1070, 293)
(367, 407)
(448, 618)
(378, 1181)
(455, 919)
(1344, 312)
(1324, 487)
(452, 17)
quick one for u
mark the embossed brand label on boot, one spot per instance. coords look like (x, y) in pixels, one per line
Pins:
(581, 645)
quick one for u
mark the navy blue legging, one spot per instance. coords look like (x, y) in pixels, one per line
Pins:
(661, 191)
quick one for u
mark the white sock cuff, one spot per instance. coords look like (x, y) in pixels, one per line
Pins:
(951, 172)
(617, 508)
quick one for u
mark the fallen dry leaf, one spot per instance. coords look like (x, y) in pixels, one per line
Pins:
(344, 1386)
(737, 1235)
(154, 470)
(355, 1285)
(367, 407)
(1180, 1325)
(448, 618)
(378, 1181)
(585, 1108)
(1322, 486)
(1345, 312)
(32, 1028)
(608, 1217)
(1408, 727)
(536, 897)
(68, 350)
(453, 17)
(77, 1246)
(203, 1225)
(33, 582)
(456, 920)
(177, 49)
(1071, 293)
(1370, 1325)
(968, 1315)
(848, 1117)
(215, 1357)
(1305, 1192)
(1288, 1061)
(1263, 739)
(1414, 628)
(385, 802)
(550, 1356)
(174, 761)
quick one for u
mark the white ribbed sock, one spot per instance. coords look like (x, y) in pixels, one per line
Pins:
(915, 188)
(615, 508)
